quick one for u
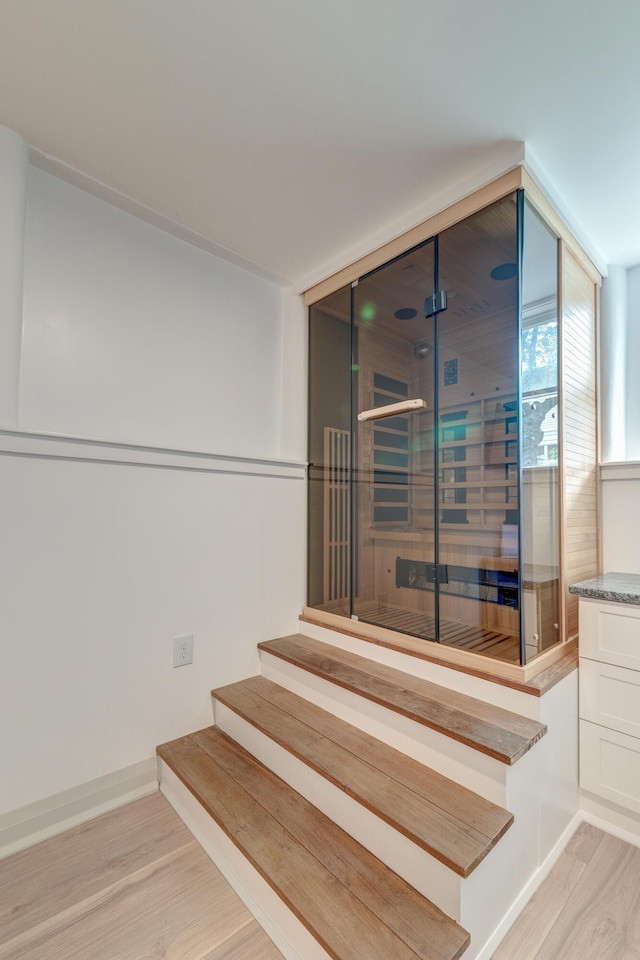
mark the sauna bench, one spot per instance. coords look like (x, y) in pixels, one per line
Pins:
(535, 575)
(540, 583)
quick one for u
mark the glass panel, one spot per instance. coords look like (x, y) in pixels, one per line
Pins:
(393, 479)
(329, 540)
(540, 490)
(478, 416)
(416, 521)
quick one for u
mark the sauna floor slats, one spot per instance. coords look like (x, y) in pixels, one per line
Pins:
(453, 633)
(348, 900)
(452, 823)
(499, 733)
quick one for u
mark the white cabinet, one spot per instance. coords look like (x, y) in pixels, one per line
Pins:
(610, 632)
(610, 765)
(610, 696)
(610, 701)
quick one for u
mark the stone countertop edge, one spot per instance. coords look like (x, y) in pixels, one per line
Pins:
(619, 587)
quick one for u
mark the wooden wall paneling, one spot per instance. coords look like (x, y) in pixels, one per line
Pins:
(422, 601)
(392, 357)
(580, 522)
(563, 585)
(598, 290)
(484, 365)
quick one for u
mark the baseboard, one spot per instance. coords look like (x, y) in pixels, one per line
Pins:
(528, 890)
(611, 818)
(28, 825)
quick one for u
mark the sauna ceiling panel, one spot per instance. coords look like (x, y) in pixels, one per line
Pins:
(469, 252)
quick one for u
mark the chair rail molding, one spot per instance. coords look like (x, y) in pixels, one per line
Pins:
(61, 447)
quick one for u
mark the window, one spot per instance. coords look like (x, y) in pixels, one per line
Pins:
(540, 384)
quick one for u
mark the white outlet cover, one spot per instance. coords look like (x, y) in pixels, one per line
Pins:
(183, 650)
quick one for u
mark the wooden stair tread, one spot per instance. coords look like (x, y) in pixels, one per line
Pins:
(499, 733)
(348, 900)
(451, 822)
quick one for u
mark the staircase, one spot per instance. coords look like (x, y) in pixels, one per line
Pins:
(363, 812)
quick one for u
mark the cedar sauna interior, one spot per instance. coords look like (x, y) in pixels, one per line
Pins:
(436, 486)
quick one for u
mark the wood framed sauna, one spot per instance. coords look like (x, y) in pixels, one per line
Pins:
(453, 491)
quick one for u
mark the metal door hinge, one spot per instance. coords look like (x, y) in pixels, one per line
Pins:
(436, 303)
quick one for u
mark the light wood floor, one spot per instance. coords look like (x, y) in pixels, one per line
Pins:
(134, 885)
(130, 885)
(588, 908)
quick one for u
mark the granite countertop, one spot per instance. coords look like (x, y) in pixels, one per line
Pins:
(620, 587)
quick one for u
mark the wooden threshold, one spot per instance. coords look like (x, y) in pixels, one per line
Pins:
(450, 822)
(498, 733)
(348, 900)
(536, 678)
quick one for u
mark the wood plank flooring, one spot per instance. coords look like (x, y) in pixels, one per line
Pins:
(128, 885)
(588, 908)
(501, 734)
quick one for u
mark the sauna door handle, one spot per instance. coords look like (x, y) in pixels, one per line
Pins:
(392, 410)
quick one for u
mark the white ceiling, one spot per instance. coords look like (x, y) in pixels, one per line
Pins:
(290, 131)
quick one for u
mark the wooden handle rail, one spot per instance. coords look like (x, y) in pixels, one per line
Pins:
(392, 410)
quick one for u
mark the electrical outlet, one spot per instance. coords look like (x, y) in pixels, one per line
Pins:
(183, 650)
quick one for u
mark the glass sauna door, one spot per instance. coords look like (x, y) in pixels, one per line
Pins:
(436, 502)
(394, 499)
(478, 430)
(434, 492)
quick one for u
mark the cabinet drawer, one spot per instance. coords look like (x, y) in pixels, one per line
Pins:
(610, 696)
(610, 765)
(610, 632)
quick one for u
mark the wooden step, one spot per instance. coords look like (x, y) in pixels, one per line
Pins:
(348, 900)
(451, 823)
(499, 733)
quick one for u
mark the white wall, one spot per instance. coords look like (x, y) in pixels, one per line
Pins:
(131, 336)
(101, 566)
(13, 192)
(621, 518)
(613, 365)
(619, 351)
(620, 423)
(633, 373)
(165, 344)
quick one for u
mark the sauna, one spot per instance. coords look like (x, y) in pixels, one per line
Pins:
(452, 435)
